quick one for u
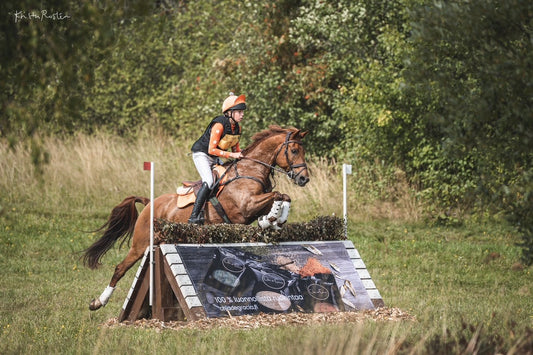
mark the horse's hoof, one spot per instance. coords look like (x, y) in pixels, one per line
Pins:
(95, 304)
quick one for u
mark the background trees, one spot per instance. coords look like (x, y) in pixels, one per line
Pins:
(440, 90)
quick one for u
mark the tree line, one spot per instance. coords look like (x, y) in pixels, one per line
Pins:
(442, 90)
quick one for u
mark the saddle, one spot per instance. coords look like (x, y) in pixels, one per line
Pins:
(189, 189)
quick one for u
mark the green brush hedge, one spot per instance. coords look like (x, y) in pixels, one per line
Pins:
(320, 228)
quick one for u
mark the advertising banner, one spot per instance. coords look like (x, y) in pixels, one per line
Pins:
(240, 279)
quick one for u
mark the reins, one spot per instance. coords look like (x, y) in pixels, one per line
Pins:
(272, 167)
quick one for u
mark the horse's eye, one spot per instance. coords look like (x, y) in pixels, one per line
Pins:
(294, 151)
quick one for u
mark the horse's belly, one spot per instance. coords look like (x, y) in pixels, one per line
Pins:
(166, 207)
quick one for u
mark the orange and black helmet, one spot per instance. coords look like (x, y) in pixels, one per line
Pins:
(233, 102)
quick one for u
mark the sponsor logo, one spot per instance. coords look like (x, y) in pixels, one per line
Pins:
(318, 292)
(233, 264)
(273, 281)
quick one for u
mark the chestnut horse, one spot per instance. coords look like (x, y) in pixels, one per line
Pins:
(246, 197)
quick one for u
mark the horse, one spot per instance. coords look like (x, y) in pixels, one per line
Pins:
(246, 196)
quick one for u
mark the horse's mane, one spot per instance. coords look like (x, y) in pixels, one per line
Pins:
(265, 134)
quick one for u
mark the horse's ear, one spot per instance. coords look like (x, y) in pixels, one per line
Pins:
(301, 134)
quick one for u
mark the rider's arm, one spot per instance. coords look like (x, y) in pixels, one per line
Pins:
(216, 133)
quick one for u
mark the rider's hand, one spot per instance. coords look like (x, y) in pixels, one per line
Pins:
(235, 155)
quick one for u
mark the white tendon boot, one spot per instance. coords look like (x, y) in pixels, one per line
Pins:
(275, 211)
(285, 207)
(284, 215)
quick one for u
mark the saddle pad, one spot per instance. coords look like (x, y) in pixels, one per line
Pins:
(186, 200)
(186, 196)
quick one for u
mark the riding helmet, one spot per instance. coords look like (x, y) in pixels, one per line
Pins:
(233, 102)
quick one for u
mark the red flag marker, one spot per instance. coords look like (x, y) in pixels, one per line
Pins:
(147, 165)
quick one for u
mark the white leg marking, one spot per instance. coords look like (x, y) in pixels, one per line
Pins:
(104, 297)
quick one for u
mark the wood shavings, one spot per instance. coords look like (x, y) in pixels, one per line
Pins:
(264, 320)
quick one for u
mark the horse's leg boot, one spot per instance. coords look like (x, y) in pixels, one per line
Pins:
(196, 215)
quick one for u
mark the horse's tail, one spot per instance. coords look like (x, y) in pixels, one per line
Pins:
(120, 224)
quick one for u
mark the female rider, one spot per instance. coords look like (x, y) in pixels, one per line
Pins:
(221, 135)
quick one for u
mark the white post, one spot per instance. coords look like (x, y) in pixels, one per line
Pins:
(346, 169)
(151, 232)
(150, 166)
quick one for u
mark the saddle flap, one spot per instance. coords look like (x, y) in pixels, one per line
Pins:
(186, 200)
(218, 172)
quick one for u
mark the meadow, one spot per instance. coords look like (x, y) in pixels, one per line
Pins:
(462, 282)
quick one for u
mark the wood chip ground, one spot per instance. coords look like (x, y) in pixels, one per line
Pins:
(264, 320)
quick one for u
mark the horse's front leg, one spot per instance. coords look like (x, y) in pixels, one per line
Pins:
(285, 208)
(278, 214)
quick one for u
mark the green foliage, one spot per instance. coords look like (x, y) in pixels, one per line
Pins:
(299, 56)
(471, 59)
(439, 90)
(159, 71)
(48, 61)
(520, 206)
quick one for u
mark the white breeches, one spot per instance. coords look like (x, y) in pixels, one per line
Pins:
(204, 164)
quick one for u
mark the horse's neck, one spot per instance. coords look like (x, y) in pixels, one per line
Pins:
(266, 152)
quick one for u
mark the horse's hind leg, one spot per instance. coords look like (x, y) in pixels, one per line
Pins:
(140, 241)
(133, 256)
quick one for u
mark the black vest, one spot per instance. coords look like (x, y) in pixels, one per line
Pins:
(228, 139)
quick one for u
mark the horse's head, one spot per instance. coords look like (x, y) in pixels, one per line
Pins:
(291, 157)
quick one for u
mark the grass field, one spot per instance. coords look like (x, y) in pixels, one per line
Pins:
(463, 283)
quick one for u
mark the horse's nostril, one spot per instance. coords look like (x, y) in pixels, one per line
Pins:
(302, 180)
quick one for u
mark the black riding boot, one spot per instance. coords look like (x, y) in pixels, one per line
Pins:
(197, 215)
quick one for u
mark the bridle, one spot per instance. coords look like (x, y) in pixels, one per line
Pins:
(291, 173)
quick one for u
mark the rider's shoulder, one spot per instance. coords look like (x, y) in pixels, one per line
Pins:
(221, 119)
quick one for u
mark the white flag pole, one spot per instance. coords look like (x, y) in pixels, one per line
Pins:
(151, 232)
(346, 169)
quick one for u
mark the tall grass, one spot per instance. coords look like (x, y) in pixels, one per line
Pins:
(93, 173)
(463, 283)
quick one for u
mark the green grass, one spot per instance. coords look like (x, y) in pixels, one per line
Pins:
(463, 283)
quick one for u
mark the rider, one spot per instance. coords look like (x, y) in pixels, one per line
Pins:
(222, 134)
